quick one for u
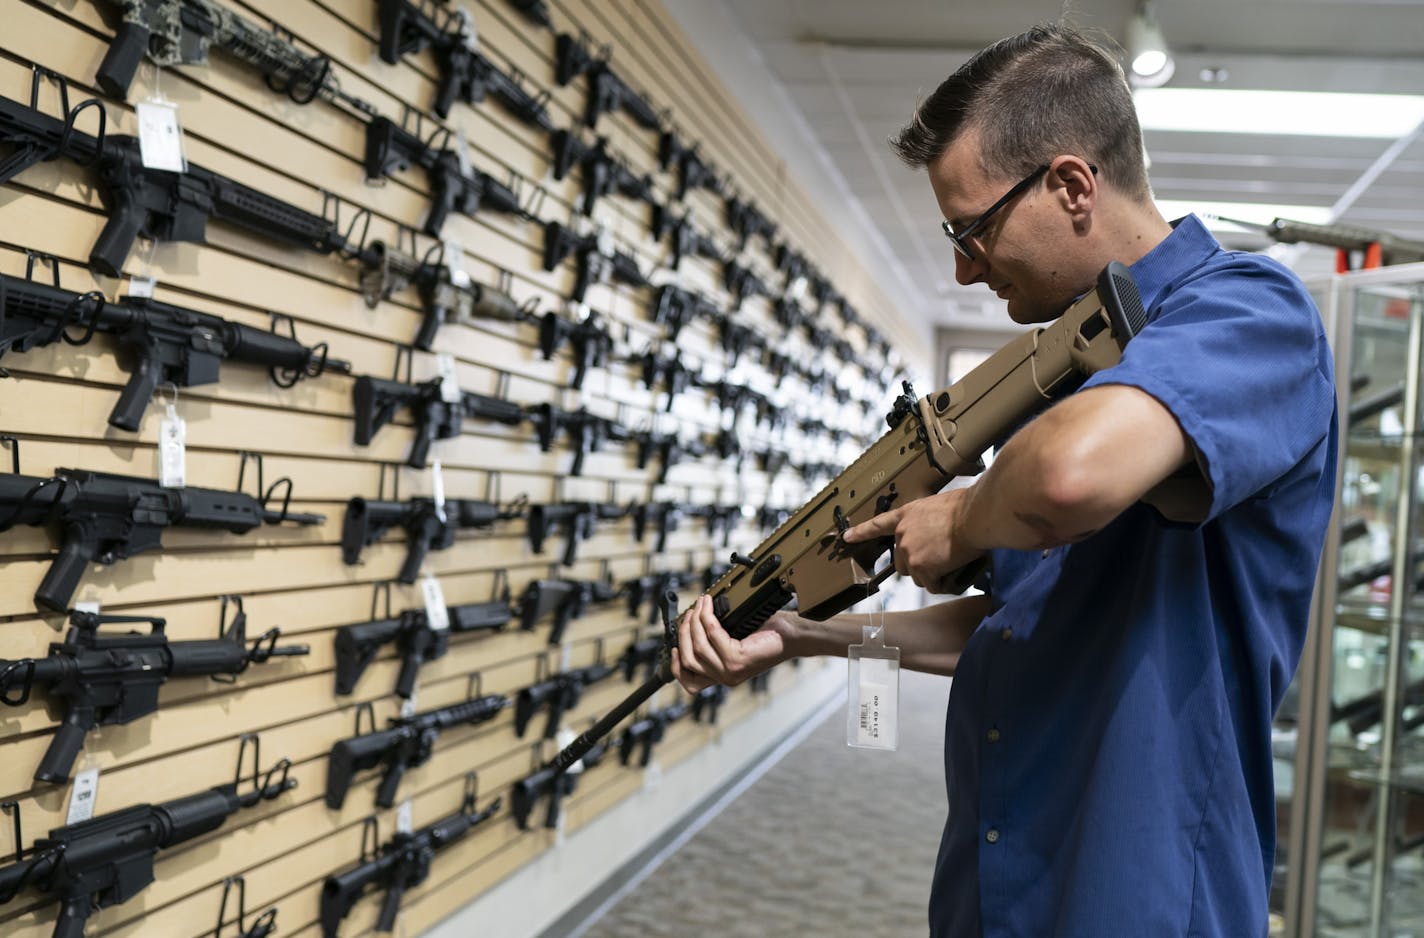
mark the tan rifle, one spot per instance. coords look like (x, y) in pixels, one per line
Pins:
(931, 440)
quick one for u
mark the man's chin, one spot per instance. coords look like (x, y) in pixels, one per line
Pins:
(1027, 314)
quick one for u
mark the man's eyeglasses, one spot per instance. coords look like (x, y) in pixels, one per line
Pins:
(960, 239)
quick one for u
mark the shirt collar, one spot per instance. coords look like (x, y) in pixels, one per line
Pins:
(1184, 249)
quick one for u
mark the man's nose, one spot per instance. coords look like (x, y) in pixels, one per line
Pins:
(967, 271)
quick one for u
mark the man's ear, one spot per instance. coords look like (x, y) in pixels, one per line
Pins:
(1074, 185)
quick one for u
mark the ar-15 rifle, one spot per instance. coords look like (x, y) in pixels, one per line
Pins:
(722, 519)
(555, 783)
(931, 440)
(688, 241)
(376, 400)
(788, 314)
(416, 640)
(597, 259)
(1379, 248)
(578, 519)
(180, 32)
(649, 587)
(737, 339)
(640, 653)
(742, 282)
(707, 701)
(535, 11)
(603, 173)
(455, 186)
(427, 526)
(643, 735)
(665, 516)
(692, 171)
(446, 295)
(108, 860)
(745, 220)
(107, 518)
(408, 744)
(670, 372)
(606, 91)
(565, 600)
(676, 307)
(668, 447)
(113, 679)
(588, 339)
(154, 203)
(586, 431)
(402, 864)
(164, 344)
(792, 264)
(556, 695)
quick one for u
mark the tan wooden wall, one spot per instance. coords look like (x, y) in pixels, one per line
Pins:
(56, 399)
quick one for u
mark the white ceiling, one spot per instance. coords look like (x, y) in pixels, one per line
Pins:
(845, 76)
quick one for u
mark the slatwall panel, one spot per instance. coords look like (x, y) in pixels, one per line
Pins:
(56, 399)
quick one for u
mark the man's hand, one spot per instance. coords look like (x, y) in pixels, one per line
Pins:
(707, 655)
(929, 538)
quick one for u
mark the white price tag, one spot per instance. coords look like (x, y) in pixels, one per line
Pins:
(172, 462)
(462, 152)
(468, 34)
(90, 606)
(405, 823)
(407, 709)
(160, 138)
(449, 378)
(436, 612)
(798, 287)
(455, 261)
(437, 489)
(604, 240)
(563, 738)
(141, 288)
(874, 673)
(82, 796)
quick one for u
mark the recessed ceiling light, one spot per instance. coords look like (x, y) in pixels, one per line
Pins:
(1307, 113)
(1214, 214)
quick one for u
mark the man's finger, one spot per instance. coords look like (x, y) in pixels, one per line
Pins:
(712, 663)
(879, 526)
(684, 638)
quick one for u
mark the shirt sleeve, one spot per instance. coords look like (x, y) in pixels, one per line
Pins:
(1238, 355)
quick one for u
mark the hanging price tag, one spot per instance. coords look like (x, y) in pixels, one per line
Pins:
(172, 462)
(874, 673)
(467, 29)
(407, 708)
(141, 288)
(405, 823)
(160, 138)
(436, 613)
(462, 153)
(90, 606)
(437, 490)
(563, 738)
(455, 261)
(797, 290)
(83, 795)
(604, 240)
(449, 378)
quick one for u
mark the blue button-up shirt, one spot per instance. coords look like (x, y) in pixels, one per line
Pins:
(1107, 747)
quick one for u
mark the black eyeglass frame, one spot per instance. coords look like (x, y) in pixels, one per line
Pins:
(960, 238)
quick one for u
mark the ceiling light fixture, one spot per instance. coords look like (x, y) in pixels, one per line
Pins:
(1150, 63)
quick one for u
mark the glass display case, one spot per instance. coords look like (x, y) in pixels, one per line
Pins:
(1349, 739)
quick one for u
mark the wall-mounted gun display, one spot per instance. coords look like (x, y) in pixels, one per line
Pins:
(113, 678)
(162, 344)
(555, 696)
(376, 401)
(676, 307)
(416, 639)
(587, 338)
(555, 784)
(746, 219)
(561, 601)
(586, 431)
(646, 733)
(606, 91)
(603, 173)
(428, 526)
(598, 260)
(692, 171)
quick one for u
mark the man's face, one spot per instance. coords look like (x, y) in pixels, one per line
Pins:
(1024, 251)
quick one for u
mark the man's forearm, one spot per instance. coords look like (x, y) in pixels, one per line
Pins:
(929, 639)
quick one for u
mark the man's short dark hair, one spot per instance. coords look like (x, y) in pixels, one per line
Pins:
(1050, 90)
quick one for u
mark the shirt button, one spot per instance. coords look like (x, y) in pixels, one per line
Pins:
(1046, 554)
(1006, 634)
(992, 835)
(993, 735)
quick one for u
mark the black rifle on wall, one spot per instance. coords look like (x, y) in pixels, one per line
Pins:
(692, 171)
(150, 203)
(555, 696)
(598, 260)
(746, 219)
(577, 520)
(602, 172)
(586, 431)
(407, 744)
(107, 860)
(553, 783)
(607, 92)
(588, 339)
(562, 601)
(466, 73)
(427, 526)
(376, 401)
(162, 343)
(416, 640)
(113, 678)
(181, 32)
(106, 518)
(455, 185)
(401, 864)
(642, 736)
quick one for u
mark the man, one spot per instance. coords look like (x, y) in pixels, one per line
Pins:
(1152, 539)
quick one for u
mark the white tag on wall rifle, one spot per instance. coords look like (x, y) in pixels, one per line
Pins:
(874, 674)
(83, 795)
(468, 34)
(405, 823)
(436, 612)
(562, 739)
(449, 378)
(141, 288)
(160, 137)
(455, 262)
(172, 461)
(407, 707)
(437, 490)
(462, 153)
(90, 606)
